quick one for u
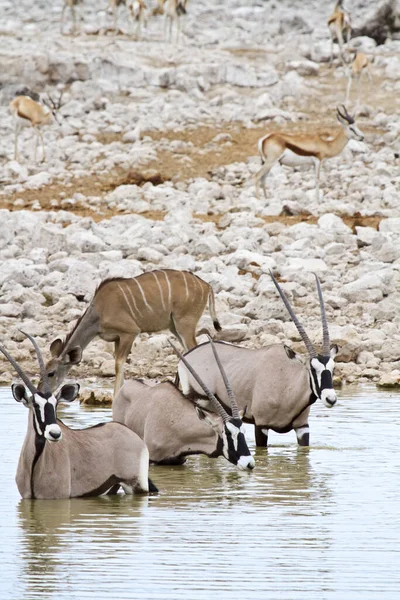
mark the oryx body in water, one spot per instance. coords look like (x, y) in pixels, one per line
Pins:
(174, 427)
(59, 462)
(272, 384)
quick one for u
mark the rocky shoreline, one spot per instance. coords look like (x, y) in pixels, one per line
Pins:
(152, 166)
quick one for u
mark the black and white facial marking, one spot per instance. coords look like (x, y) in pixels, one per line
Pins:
(321, 371)
(356, 133)
(234, 445)
(44, 407)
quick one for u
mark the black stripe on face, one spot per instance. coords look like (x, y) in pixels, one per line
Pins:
(326, 380)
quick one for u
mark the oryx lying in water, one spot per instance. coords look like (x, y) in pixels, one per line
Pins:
(272, 384)
(174, 427)
(83, 462)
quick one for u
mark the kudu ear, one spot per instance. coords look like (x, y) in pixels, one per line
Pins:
(210, 418)
(74, 355)
(68, 392)
(334, 350)
(20, 394)
(56, 347)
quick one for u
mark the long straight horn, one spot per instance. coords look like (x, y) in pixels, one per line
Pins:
(300, 328)
(20, 372)
(218, 407)
(234, 406)
(46, 384)
(325, 330)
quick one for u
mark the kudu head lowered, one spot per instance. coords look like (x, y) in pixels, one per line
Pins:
(229, 428)
(321, 365)
(43, 403)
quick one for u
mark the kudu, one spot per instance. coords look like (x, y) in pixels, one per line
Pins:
(174, 427)
(272, 383)
(123, 308)
(59, 462)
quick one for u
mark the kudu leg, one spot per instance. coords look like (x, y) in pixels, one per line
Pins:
(261, 434)
(122, 348)
(184, 331)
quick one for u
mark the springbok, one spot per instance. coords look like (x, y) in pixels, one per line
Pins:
(173, 10)
(123, 308)
(339, 25)
(71, 4)
(138, 13)
(273, 383)
(359, 66)
(59, 462)
(174, 427)
(29, 113)
(304, 149)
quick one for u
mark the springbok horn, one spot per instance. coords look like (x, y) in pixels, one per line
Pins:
(43, 373)
(300, 328)
(20, 372)
(325, 331)
(217, 406)
(234, 406)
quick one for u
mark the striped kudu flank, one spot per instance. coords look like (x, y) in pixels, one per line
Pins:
(274, 384)
(123, 308)
(59, 462)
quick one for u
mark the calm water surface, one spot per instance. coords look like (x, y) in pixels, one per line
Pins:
(315, 524)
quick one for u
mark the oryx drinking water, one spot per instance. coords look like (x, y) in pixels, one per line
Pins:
(59, 462)
(123, 308)
(272, 384)
(174, 427)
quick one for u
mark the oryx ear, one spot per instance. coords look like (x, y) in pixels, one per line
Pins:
(74, 355)
(290, 353)
(210, 418)
(242, 412)
(56, 347)
(334, 350)
(20, 394)
(68, 392)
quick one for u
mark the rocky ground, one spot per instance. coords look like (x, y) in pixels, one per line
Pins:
(152, 166)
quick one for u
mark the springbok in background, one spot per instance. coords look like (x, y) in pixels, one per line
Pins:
(359, 66)
(304, 149)
(273, 384)
(71, 4)
(29, 113)
(174, 427)
(59, 462)
(339, 25)
(138, 13)
(123, 308)
(173, 10)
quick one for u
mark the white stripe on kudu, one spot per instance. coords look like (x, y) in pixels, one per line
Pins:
(143, 296)
(154, 273)
(175, 303)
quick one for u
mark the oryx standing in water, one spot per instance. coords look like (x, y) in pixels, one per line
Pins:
(59, 462)
(273, 384)
(123, 308)
(173, 426)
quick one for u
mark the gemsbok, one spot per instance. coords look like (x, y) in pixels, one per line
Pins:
(29, 113)
(304, 149)
(174, 427)
(339, 24)
(274, 385)
(59, 462)
(123, 308)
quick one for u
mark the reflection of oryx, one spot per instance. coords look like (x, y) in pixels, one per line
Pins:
(123, 308)
(272, 385)
(174, 427)
(59, 462)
